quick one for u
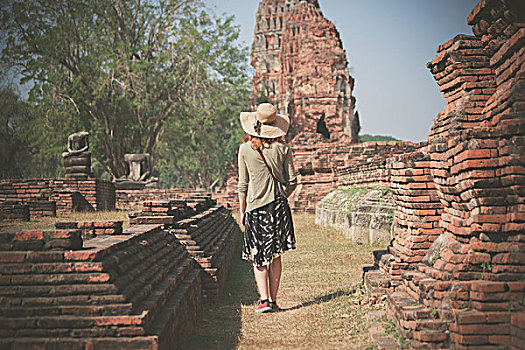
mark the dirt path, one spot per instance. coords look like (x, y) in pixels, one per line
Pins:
(323, 308)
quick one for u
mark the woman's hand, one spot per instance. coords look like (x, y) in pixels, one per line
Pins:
(242, 209)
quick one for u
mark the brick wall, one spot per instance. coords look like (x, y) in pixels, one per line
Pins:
(14, 211)
(92, 229)
(68, 194)
(126, 199)
(325, 166)
(458, 255)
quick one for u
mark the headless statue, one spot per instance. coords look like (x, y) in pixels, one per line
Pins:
(77, 143)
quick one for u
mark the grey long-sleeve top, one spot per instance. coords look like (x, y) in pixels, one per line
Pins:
(256, 184)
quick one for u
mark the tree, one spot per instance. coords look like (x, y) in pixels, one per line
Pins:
(123, 70)
(208, 132)
(14, 151)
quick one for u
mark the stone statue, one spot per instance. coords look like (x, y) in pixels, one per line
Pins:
(78, 142)
(139, 175)
(139, 166)
(77, 159)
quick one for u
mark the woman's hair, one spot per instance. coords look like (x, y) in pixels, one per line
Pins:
(258, 142)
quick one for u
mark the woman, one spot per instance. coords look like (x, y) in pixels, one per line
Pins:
(266, 179)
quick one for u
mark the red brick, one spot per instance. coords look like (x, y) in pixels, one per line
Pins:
(499, 340)
(470, 317)
(498, 317)
(488, 287)
(484, 329)
(429, 336)
(119, 321)
(12, 257)
(29, 236)
(509, 258)
(470, 339)
(517, 319)
(489, 296)
(80, 255)
(58, 234)
(516, 286)
(88, 267)
(99, 277)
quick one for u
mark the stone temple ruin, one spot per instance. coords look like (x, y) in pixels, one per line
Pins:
(300, 64)
(98, 284)
(79, 190)
(455, 268)
(449, 211)
(95, 285)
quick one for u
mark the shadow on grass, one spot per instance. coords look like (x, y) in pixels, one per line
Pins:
(219, 326)
(321, 299)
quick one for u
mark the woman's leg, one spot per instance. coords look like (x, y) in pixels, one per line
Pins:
(261, 277)
(275, 268)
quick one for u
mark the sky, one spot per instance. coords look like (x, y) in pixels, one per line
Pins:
(388, 43)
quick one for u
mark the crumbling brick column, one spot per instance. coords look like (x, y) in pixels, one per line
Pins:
(466, 289)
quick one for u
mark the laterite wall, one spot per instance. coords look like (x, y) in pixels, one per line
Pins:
(457, 260)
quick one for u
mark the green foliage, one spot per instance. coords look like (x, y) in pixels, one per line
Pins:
(160, 77)
(391, 328)
(435, 258)
(352, 190)
(367, 137)
(16, 123)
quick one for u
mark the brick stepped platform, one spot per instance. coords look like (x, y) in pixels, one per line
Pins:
(92, 229)
(210, 237)
(135, 198)
(418, 322)
(140, 289)
(384, 274)
(168, 212)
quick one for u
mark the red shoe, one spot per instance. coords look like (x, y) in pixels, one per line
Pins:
(274, 306)
(264, 306)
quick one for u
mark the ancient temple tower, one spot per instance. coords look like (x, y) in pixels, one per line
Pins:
(300, 65)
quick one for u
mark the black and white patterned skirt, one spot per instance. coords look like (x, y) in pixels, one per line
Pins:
(268, 232)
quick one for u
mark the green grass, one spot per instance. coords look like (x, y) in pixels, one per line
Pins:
(322, 309)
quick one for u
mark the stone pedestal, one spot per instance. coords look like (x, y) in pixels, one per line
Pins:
(77, 166)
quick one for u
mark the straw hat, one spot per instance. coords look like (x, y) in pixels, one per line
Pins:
(265, 122)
